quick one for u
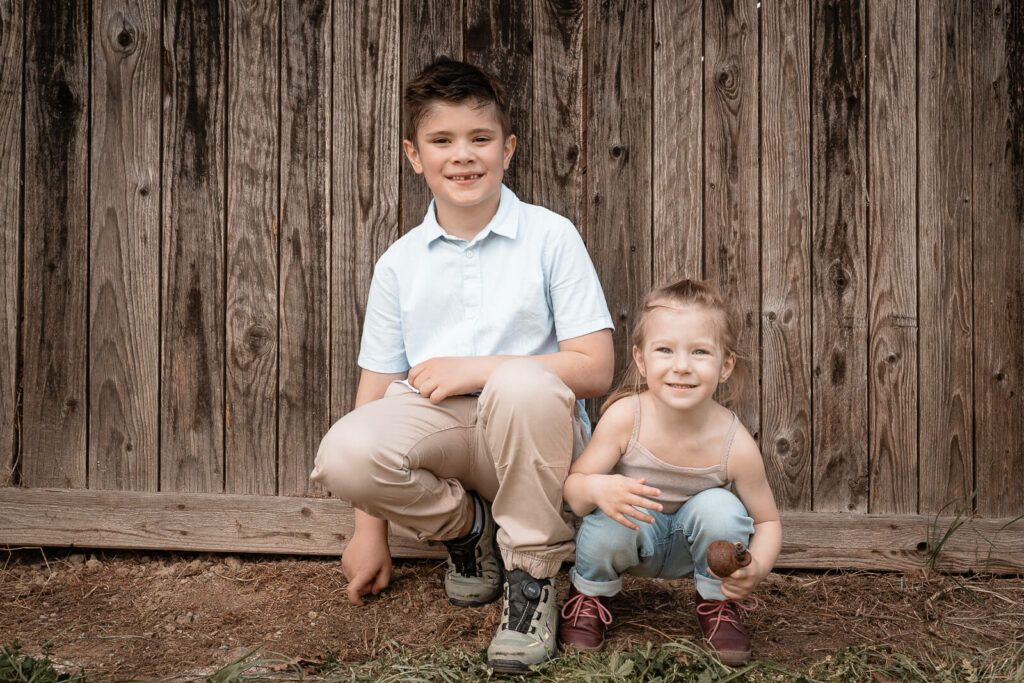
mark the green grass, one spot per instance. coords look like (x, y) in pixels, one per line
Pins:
(19, 668)
(682, 661)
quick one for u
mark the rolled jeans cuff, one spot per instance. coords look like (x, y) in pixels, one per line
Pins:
(604, 589)
(707, 587)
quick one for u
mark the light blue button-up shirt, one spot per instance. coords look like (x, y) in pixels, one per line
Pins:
(520, 286)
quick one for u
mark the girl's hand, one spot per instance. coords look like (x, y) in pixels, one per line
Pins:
(617, 495)
(741, 582)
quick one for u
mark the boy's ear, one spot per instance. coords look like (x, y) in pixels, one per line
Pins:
(639, 360)
(510, 149)
(727, 367)
(413, 155)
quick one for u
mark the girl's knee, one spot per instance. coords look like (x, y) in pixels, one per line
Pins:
(601, 534)
(718, 513)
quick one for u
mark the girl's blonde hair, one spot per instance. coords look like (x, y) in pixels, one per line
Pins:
(682, 293)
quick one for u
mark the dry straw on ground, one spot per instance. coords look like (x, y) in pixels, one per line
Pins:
(159, 615)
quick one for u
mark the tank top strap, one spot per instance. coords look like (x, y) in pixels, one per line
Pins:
(636, 422)
(728, 438)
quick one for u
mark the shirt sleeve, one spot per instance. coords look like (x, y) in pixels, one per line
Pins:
(577, 300)
(382, 348)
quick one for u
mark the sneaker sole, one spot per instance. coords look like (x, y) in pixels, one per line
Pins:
(508, 666)
(472, 603)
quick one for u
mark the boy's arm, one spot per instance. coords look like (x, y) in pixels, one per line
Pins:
(372, 385)
(366, 559)
(585, 363)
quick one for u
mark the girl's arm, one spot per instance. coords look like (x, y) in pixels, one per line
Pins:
(589, 485)
(750, 484)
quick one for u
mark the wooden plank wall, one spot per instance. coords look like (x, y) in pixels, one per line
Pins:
(193, 195)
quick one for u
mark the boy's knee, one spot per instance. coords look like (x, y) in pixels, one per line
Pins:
(346, 459)
(525, 381)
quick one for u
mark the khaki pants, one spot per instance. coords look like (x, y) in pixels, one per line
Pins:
(410, 462)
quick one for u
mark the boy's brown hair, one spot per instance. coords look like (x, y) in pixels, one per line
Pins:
(446, 80)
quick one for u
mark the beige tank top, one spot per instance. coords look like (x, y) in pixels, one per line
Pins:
(677, 484)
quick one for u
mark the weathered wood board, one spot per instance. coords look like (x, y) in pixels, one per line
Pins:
(322, 526)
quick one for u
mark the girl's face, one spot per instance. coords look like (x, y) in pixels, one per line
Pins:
(681, 357)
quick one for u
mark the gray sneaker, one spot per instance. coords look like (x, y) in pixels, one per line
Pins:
(474, 566)
(526, 637)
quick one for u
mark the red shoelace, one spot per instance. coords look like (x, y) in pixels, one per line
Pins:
(724, 610)
(581, 605)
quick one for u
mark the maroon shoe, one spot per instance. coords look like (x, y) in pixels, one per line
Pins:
(584, 621)
(721, 622)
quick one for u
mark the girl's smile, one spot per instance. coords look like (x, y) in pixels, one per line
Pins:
(682, 359)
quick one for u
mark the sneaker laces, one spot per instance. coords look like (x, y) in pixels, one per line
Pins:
(581, 605)
(727, 611)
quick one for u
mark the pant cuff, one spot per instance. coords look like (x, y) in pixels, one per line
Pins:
(604, 589)
(708, 588)
(539, 567)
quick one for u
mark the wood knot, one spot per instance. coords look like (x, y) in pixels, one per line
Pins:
(122, 34)
(257, 338)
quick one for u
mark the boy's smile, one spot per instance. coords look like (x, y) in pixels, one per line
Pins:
(462, 155)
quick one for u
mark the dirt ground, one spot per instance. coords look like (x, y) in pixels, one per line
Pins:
(159, 615)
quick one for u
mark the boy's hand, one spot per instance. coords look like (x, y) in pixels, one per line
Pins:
(366, 563)
(741, 582)
(618, 496)
(439, 378)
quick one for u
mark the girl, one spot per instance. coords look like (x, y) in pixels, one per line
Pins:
(668, 472)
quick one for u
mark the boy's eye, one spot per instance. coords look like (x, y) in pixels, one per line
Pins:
(439, 141)
(663, 349)
(702, 352)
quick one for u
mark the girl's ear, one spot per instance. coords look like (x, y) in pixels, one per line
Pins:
(727, 367)
(413, 155)
(639, 360)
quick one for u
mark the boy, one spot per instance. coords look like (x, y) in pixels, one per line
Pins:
(483, 327)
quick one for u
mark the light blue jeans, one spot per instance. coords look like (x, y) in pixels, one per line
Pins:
(674, 545)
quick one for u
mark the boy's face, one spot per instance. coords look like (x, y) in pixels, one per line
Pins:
(460, 152)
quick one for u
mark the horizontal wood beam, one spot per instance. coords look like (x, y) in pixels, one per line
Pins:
(321, 526)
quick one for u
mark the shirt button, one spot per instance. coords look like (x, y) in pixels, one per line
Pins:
(469, 254)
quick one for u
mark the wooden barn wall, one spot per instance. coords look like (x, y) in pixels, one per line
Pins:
(193, 194)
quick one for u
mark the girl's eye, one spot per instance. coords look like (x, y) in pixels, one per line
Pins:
(702, 352)
(482, 140)
(663, 349)
(439, 141)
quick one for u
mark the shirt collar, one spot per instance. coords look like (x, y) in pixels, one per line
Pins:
(504, 223)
